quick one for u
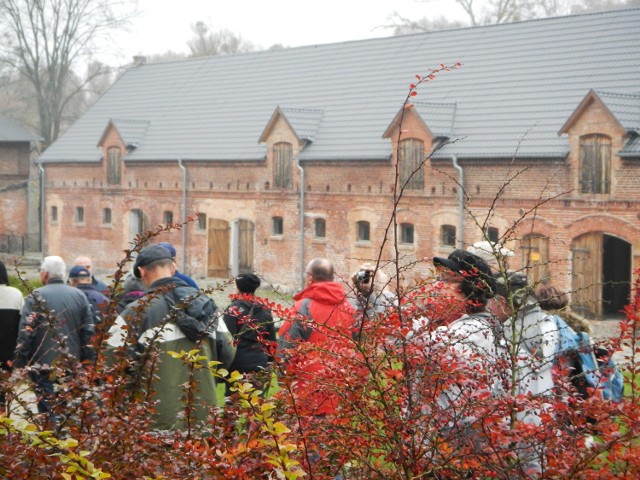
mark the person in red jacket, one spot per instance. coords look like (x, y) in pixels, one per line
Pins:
(325, 318)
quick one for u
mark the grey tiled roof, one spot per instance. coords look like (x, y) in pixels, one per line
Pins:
(517, 86)
(10, 131)
(305, 122)
(626, 108)
(131, 131)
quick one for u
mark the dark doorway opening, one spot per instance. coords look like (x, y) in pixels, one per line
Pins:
(616, 275)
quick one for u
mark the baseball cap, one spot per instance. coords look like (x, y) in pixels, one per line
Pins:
(148, 255)
(79, 272)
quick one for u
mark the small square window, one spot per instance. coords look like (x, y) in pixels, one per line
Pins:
(363, 231)
(106, 216)
(79, 214)
(202, 221)
(54, 214)
(320, 228)
(406, 233)
(448, 235)
(168, 217)
(277, 226)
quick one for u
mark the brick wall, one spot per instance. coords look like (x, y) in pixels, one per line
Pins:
(516, 196)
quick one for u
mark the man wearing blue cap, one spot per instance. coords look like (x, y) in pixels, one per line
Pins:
(186, 278)
(80, 278)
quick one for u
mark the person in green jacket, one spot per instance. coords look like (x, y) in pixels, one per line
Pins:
(171, 317)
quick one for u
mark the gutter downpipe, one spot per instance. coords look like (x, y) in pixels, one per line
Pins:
(302, 264)
(42, 206)
(184, 215)
(458, 168)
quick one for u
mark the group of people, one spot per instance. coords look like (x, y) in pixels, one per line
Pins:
(161, 309)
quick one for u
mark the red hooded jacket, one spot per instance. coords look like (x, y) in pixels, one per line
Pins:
(333, 320)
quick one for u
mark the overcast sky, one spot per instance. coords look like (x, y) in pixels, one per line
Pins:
(164, 26)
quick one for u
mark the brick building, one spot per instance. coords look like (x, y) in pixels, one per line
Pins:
(19, 201)
(539, 125)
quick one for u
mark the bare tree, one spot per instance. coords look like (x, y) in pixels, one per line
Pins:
(484, 12)
(207, 42)
(43, 41)
(402, 25)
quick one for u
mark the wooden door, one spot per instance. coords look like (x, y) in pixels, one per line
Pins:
(586, 288)
(218, 253)
(245, 246)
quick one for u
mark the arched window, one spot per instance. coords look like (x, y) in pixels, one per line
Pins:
(410, 159)
(407, 233)
(277, 226)
(320, 228)
(448, 236)
(282, 165)
(595, 164)
(363, 231)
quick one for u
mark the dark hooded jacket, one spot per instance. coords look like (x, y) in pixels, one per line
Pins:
(251, 325)
(171, 317)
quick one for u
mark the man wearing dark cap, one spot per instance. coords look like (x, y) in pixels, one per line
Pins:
(186, 278)
(80, 278)
(251, 325)
(171, 316)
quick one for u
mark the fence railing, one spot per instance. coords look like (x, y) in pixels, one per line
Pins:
(18, 244)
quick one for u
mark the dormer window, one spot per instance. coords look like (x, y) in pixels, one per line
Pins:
(410, 158)
(282, 165)
(114, 166)
(595, 164)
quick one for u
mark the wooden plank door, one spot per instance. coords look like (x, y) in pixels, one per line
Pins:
(218, 252)
(586, 288)
(245, 246)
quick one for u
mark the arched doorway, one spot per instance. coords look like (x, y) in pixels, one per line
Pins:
(601, 274)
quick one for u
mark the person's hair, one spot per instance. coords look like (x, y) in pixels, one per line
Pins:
(4, 277)
(321, 270)
(551, 298)
(54, 266)
(477, 291)
(163, 262)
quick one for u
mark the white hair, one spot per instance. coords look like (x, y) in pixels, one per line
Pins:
(54, 266)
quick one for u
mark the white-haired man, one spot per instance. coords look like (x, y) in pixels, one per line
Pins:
(56, 326)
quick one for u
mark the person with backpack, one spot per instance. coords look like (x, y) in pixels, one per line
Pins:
(172, 316)
(323, 317)
(251, 325)
(590, 368)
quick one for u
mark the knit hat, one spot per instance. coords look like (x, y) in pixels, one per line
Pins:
(148, 255)
(132, 284)
(247, 282)
(487, 251)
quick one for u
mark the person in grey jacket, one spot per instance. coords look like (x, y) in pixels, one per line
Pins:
(56, 329)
